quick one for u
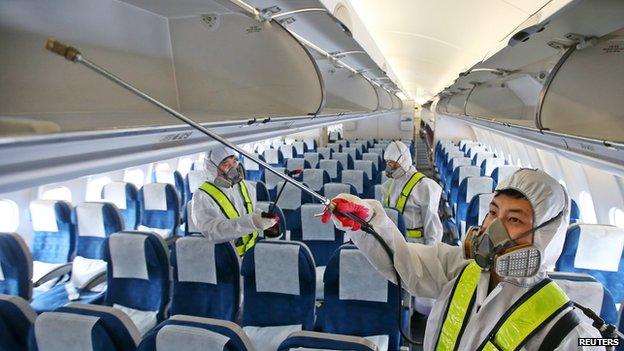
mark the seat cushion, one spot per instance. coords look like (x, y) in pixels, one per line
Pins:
(269, 338)
(143, 320)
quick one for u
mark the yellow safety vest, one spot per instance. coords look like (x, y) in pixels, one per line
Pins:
(247, 241)
(532, 311)
(402, 200)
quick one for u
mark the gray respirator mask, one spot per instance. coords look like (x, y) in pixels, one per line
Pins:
(395, 173)
(232, 177)
(493, 249)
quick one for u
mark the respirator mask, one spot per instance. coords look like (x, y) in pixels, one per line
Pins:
(395, 173)
(493, 249)
(230, 178)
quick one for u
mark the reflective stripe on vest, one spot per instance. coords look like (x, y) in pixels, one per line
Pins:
(522, 320)
(459, 307)
(247, 241)
(405, 192)
(414, 233)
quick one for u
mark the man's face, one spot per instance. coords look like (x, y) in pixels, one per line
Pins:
(392, 164)
(227, 164)
(515, 214)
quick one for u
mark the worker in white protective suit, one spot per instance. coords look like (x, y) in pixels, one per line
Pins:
(224, 206)
(493, 293)
(412, 194)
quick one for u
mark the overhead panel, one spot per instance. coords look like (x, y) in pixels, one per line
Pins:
(385, 101)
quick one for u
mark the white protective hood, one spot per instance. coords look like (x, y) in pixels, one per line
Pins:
(398, 152)
(548, 199)
(214, 157)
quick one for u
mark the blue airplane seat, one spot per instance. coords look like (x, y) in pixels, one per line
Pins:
(53, 241)
(311, 144)
(171, 177)
(359, 179)
(588, 292)
(78, 327)
(274, 157)
(16, 266)
(315, 178)
(192, 182)
(290, 202)
(326, 152)
(360, 301)
(575, 212)
(368, 167)
(126, 197)
(333, 168)
(354, 152)
(16, 320)
(344, 159)
(313, 158)
(501, 172)
(297, 163)
(288, 151)
(271, 181)
(206, 278)
(478, 208)
(94, 222)
(454, 164)
(307, 340)
(468, 188)
(160, 209)
(300, 147)
(460, 173)
(189, 333)
(279, 291)
(595, 249)
(489, 164)
(253, 171)
(321, 238)
(138, 277)
(331, 190)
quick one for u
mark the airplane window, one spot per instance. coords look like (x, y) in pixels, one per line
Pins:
(184, 165)
(616, 217)
(94, 188)
(162, 167)
(134, 176)
(586, 205)
(9, 216)
(57, 193)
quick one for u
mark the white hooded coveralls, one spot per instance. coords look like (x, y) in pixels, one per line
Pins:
(421, 208)
(206, 213)
(431, 271)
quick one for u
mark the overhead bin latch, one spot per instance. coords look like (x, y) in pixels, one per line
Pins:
(268, 13)
(580, 41)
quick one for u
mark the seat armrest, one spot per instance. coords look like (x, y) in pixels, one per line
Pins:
(94, 281)
(54, 274)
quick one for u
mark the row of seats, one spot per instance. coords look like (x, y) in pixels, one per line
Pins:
(279, 293)
(591, 267)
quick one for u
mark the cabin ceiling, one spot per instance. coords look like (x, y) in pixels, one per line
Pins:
(428, 43)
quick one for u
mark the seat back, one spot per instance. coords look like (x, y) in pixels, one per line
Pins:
(587, 291)
(333, 168)
(189, 226)
(94, 222)
(271, 180)
(374, 157)
(321, 238)
(126, 197)
(450, 154)
(315, 178)
(266, 206)
(78, 327)
(290, 202)
(378, 188)
(596, 250)
(376, 150)
(358, 179)
(53, 238)
(501, 172)
(478, 208)
(344, 159)
(297, 163)
(262, 193)
(358, 299)
(138, 274)
(300, 148)
(472, 151)
(455, 163)
(311, 144)
(489, 164)
(171, 177)
(191, 333)
(354, 152)
(575, 212)
(313, 158)
(467, 144)
(16, 266)
(274, 157)
(279, 285)
(288, 151)
(331, 190)
(308, 340)
(368, 167)
(361, 146)
(16, 319)
(206, 278)
(192, 182)
(468, 188)
(253, 171)
(160, 209)
(397, 219)
(326, 152)
(461, 173)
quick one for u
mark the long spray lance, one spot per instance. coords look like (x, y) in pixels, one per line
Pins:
(72, 54)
